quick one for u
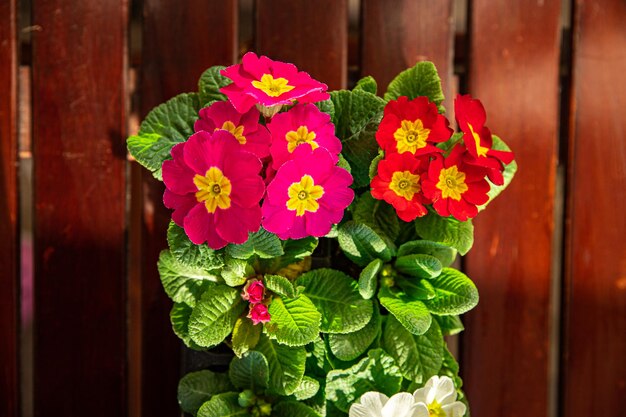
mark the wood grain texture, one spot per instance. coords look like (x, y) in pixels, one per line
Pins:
(595, 337)
(514, 72)
(396, 34)
(311, 34)
(179, 43)
(79, 127)
(9, 278)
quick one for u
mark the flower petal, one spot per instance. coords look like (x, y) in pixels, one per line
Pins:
(399, 405)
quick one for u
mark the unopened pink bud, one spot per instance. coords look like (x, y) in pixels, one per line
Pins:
(259, 314)
(254, 291)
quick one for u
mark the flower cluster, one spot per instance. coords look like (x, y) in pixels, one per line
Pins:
(216, 180)
(416, 172)
(254, 293)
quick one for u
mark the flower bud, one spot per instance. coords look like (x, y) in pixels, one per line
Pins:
(254, 291)
(258, 313)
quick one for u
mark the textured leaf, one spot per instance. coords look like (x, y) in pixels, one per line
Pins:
(293, 409)
(196, 388)
(412, 314)
(214, 315)
(418, 357)
(262, 243)
(296, 250)
(373, 169)
(209, 85)
(350, 346)
(223, 405)
(188, 253)
(368, 279)
(294, 321)
(236, 272)
(367, 84)
(251, 371)
(327, 107)
(455, 293)
(362, 245)
(509, 173)
(165, 126)
(450, 325)
(379, 216)
(307, 388)
(279, 285)
(416, 288)
(420, 80)
(245, 335)
(286, 365)
(183, 284)
(179, 317)
(377, 372)
(444, 253)
(419, 265)
(447, 230)
(336, 296)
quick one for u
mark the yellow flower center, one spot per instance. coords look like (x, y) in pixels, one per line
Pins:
(237, 131)
(435, 410)
(213, 189)
(303, 196)
(300, 136)
(405, 184)
(271, 86)
(411, 136)
(452, 183)
(481, 150)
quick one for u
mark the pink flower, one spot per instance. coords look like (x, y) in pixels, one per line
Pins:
(304, 123)
(253, 291)
(253, 136)
(214, 187)
(308, 195)
(258, 313)
(269, 83)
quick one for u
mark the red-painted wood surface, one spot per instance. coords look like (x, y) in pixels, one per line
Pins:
(179, 43)
(311, 34)
(79, 127)
(514, 72)
(397, 34)
(594, 366)
(9, 278)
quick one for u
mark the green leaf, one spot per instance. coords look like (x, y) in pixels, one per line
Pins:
(297, 250)
(179, 317)
(373, 170)
(412, 314)
(183, 284)
(236, 272)
(327, 107)
(419, 265)
(294, 321)
(350, 346)
(415, 288)
(368, 279)
(450, 367)
(214, 315)
(293, 409)
(420, 80)
(279, 285)
(367, 84)
(223, 405)
(245, 335)
(336, 296)
(196, 388)
(379, 216)
(262, 243)
(356, 119)
(250, 371)
(362, 245)
(450, 325)
(165, 126)
(509, 173)
(418, 357)
(307, 388)
(444, 253)
(455, 293)
(209, 85)
(447, 230)
(286, 365)
(377, 372)
(188, 253)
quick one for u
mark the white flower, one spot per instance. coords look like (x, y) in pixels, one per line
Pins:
(436, 399)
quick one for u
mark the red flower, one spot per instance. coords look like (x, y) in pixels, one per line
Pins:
(471, 117)
(399, 183)
(259, 313)
(412, 126)
(253, 291)
(455, 187)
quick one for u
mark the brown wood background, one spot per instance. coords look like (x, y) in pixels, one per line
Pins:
(549, 335)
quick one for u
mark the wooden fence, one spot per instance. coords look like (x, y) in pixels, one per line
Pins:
(549, 335)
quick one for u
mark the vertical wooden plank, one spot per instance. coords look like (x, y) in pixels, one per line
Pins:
(9, 278)
(514, 71)
(179, 43)
(79, 127)
(397, 34)
(595, 337)
(311, 34)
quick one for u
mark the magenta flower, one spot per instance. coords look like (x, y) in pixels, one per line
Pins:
(270, 84)
(253, 291)
(214, 187)
(258, 314)
(308, 195)
(304, 123)
(253, 136)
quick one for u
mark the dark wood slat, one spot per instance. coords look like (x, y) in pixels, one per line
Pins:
(9, 278)
(397, 34)
(514, 71)
(179, 43)
(79, 127)
(311, 34)
(595, 337)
